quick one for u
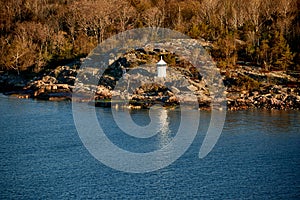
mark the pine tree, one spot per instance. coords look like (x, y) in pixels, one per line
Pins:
(281, 55)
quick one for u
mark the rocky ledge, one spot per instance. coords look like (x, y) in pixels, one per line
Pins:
(55, 85)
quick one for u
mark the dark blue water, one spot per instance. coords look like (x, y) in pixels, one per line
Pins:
(42, 157)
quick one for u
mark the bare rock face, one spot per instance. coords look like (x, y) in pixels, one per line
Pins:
(267, 97)
(103, 93)
(54, 86)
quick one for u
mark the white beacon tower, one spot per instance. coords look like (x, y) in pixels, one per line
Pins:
(161, 68)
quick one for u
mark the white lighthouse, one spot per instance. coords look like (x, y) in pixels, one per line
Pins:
(161, 68)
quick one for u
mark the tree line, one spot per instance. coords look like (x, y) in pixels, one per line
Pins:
(38, 34)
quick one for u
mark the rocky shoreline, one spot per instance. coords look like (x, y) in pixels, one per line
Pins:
(56, 85)
(246, 87)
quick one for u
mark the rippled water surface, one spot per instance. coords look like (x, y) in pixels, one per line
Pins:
(42, 157)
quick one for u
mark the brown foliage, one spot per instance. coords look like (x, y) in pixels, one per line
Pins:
(33, 33)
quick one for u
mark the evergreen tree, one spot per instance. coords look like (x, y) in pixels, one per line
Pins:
(281, 55)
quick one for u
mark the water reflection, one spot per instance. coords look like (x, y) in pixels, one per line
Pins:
(269, 120)
(164, 121)
(164, 135)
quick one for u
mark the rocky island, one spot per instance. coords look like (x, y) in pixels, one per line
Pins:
(247, 87)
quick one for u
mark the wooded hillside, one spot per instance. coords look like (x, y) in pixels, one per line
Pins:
(38, 34)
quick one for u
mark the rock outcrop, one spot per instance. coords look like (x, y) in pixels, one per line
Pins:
(56, 85)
